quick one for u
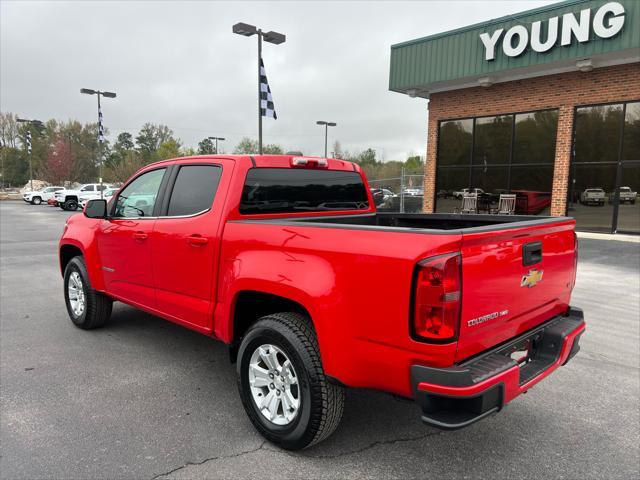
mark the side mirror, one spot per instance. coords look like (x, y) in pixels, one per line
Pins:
(96, 208)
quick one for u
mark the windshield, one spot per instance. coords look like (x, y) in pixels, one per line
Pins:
(283, 190)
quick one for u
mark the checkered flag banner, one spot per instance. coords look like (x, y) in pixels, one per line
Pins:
(266, 100)
(28, 138)
(100, 127)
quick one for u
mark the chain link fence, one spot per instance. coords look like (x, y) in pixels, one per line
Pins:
(403, 194)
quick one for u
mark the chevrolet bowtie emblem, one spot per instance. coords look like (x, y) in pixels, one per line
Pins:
(532, 278)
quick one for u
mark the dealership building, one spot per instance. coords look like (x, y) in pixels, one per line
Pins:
(543, 104)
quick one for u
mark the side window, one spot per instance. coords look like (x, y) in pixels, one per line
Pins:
(88, 188)
(101, 187)
(139, 197)
(194, 189)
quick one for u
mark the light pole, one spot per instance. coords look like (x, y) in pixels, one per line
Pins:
(326, 132)
(88, 91)
(37, 123)
(276, 38)
(216, 139)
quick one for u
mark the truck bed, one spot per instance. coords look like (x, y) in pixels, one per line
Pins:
(430, 223)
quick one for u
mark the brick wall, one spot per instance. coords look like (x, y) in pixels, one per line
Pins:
(563, 91)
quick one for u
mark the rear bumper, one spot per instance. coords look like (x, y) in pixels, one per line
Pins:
(458, 396)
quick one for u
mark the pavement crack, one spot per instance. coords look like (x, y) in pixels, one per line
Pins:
(369, 446)
(209, 459)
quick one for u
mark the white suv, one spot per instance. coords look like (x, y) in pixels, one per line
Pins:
(39, 196)
(70, 199)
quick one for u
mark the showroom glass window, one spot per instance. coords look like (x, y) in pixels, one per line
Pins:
(502, 154)
(605, 168)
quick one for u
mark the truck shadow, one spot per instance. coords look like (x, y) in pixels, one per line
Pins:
(199, 360)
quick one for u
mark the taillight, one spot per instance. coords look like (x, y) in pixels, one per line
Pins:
(575, 259)
(437, 298)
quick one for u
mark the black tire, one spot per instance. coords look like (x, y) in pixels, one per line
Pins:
(70, 204)
(36, 201)
(97, 305)
(321, 402)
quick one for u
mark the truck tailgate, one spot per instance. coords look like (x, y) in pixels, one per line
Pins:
(513, 280)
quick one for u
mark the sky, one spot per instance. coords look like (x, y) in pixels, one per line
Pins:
(179, 64)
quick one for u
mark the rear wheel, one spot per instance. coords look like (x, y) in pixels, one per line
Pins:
(87, 308)
(282, 384)
(36, 201)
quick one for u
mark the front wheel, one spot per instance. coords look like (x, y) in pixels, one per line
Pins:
(87, 308)
(36, 201)
(282, 385)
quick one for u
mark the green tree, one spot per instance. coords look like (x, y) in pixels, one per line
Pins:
(246, 146)
(206, 147)
(414, 163)
(249, 146)
(120, 172)
(16, 166)
(150, 138)
(168, 149)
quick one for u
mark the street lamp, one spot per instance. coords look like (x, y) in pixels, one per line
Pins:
(216, 139)
(89, 91)
(38, 124)
(326, 132)
(276, 38)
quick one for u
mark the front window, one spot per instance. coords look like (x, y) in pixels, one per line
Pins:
(284, 190)
(138, 198)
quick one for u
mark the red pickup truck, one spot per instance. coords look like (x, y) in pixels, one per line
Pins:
(286, 260)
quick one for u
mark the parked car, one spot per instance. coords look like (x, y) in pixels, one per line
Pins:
(274, 254)
(460, 193)
(70, 199)
(107, 194)
(592, 196)
(626, 195)
(414, 192)
(39, 196)
(378, 196)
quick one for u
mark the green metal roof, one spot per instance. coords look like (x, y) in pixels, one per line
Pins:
(446, 60)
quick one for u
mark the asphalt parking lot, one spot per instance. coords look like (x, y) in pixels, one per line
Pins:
(143, 398)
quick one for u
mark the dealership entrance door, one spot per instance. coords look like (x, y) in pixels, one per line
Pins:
(603, 193)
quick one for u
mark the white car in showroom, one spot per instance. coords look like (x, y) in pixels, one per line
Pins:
(70, 199)
(39, 196)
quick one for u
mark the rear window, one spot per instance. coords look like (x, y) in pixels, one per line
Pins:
(194, 190)
(284, 190)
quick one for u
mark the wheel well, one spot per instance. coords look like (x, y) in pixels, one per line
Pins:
(251, 305)
(71, 197)
(67, 252)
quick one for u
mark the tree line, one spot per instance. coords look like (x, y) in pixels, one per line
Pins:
(70, 152)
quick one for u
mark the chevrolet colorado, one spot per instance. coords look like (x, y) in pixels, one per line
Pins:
(277, 257)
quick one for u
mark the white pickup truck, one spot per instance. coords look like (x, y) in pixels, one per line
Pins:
(71, 199)
(39, 196)
(627, 195)
(592, 196)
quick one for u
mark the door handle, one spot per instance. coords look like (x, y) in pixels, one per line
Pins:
(197, 240)
(140, 236)
(531, 253)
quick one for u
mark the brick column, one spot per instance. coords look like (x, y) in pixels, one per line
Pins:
(430, 165)
(564, 140)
